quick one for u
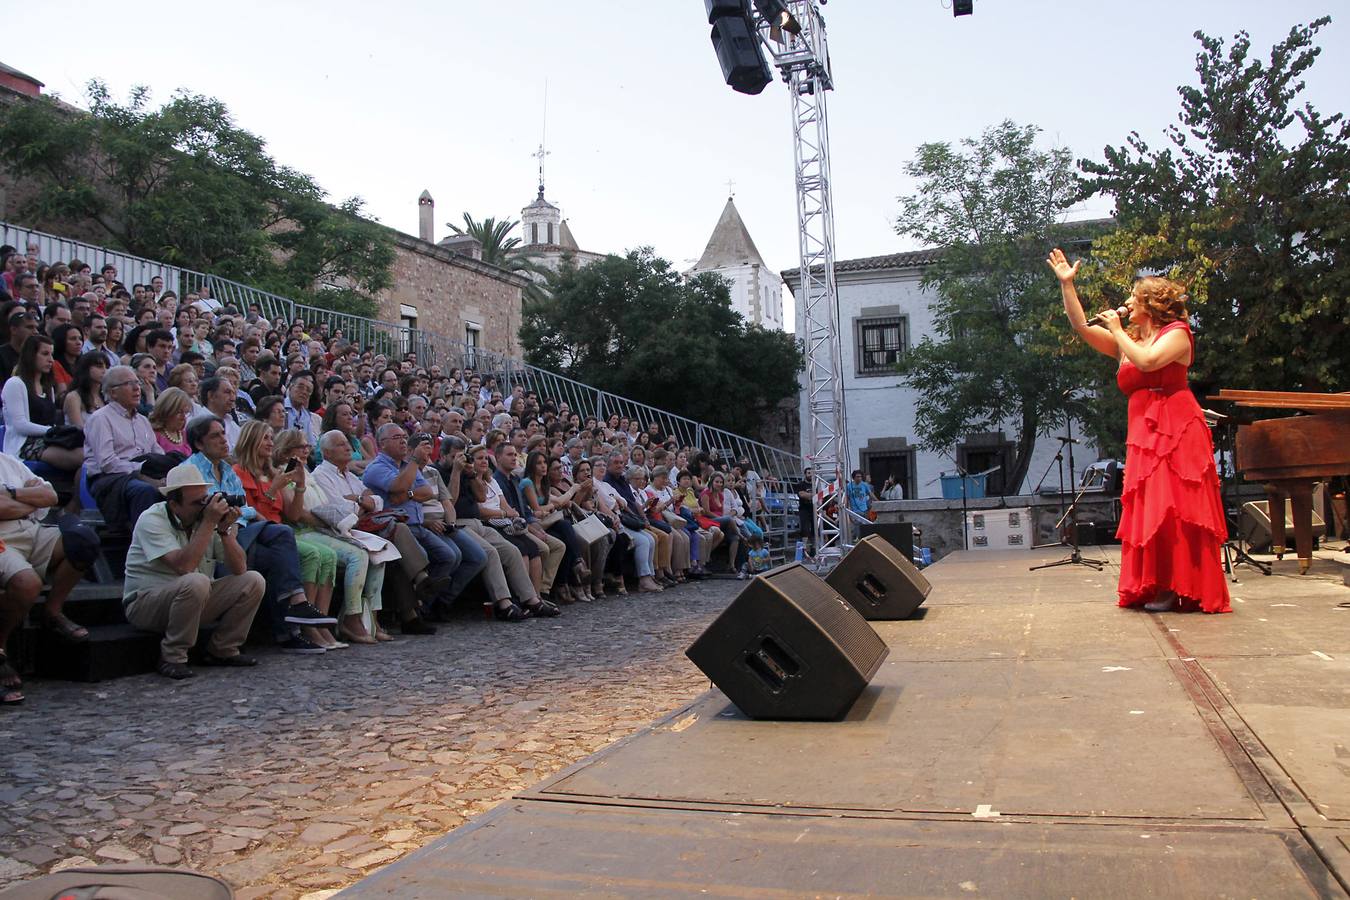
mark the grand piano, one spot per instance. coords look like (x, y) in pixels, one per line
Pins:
(1292, 453)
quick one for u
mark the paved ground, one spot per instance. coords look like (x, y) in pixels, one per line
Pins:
(306, 773)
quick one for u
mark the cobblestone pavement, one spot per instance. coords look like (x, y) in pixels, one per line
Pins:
(302, 775)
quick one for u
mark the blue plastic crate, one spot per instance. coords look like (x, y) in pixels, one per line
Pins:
(951, 486)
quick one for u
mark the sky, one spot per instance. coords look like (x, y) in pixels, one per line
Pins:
(642, 133)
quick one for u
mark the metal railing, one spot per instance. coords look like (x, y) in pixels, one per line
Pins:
(779, 468)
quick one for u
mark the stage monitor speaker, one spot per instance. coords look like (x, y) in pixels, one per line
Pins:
(899, 535)
(1256, 524)
(879, 580)
(789, 647)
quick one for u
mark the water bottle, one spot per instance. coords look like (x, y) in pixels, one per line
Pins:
(801, 551)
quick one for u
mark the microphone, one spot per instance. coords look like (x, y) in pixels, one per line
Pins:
(1097, 319)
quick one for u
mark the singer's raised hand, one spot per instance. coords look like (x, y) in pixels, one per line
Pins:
(1060, 265)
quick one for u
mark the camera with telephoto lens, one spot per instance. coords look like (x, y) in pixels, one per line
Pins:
(234, 500)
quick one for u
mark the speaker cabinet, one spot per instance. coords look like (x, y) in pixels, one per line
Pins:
(1256, 524)
(789, 647)
(899, 535)
(879, 580)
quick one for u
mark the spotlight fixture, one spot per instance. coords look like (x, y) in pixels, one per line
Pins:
(776, 13)
(963, 7)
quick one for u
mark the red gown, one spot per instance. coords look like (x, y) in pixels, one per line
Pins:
(1172, 523)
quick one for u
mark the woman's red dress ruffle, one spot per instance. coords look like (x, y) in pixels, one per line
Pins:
(1172, 523)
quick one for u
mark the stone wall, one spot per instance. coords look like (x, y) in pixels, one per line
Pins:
(451, 292)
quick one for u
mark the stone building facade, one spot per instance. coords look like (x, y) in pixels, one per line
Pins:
(756, 290)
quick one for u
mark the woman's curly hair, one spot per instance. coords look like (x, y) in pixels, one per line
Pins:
(1163, 299)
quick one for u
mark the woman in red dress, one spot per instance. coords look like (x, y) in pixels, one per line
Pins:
(1171, 522)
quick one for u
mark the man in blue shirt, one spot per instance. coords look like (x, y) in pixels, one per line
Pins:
(393, 477)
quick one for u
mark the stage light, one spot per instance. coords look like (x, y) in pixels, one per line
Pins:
(736, 43)
(963, 7)
(776, 13)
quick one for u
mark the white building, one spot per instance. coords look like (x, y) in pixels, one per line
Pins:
(882, 313)
(756, 290)
(546, 236)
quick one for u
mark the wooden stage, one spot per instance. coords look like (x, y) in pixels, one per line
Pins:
(1025, 738)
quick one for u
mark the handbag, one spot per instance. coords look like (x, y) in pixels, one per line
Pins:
(67, 437)
(632, 521)
(591, 529)
(381, 522)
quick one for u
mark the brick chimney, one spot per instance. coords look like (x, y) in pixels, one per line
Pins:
(426, 217)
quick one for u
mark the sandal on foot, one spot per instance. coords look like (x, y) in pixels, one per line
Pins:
(510, 613)
(11, 685)
(544, 609)
(71, 631)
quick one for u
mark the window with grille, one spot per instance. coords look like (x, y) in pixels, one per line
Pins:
(880, 344)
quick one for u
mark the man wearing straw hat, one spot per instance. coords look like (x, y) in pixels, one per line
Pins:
(171, 585)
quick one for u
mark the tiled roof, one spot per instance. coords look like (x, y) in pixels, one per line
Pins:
(910, 260)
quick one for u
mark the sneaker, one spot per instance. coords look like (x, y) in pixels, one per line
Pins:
(305, 613)
(741, 575)
(297, 644)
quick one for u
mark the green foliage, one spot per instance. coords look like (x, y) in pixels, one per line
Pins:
(634, 326)
(183, 184)
(1247, 208)
(1003, 356)
(503, 250)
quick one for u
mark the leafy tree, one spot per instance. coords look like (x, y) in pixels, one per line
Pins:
(1247, 208)
(183, 184)
(634, 326)
(1003, 357)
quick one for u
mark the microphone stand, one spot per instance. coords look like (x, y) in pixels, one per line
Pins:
(1075, 557)
(1235, 551)
(1057, 461)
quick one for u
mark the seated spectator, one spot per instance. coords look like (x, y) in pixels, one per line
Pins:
(185, 568)
(616, 491)
(340, 416)
(271, 548)
(660, 531)
(709, 534)
(394, 477)
(271, 412)
(31, 553)
(86, 391)
(488, 504)
(659, 511)
(146, 371)
(712, 501)
(586, 503)
(218, 400)
(159, 344)
(169, 420)
(503, 562)
(379, 413)
(534, 492)
(29, 397)
(268, 383)
(341, 485)
(363, 578)
(299, 390)
(96, 340)
(22, 325)
(264, 490)
(184, 377)
(509, 469)
(67, 344)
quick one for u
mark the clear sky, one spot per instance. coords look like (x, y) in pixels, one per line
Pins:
(383, 100)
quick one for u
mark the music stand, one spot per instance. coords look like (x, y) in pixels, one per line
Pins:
(1075, 557)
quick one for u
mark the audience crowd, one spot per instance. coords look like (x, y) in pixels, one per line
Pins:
(277, 468)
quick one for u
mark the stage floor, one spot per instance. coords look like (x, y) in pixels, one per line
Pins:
(1025, 738)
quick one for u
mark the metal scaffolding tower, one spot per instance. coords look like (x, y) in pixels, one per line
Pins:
(804, 61)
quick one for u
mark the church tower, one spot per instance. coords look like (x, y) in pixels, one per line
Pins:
(756, 290)
(541, 222)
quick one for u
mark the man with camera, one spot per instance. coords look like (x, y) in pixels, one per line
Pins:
(171, 575)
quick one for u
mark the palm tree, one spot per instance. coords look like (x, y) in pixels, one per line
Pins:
(503, 251)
